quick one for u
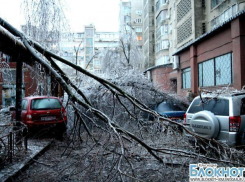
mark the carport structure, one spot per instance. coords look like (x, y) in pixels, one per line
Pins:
(14, 54)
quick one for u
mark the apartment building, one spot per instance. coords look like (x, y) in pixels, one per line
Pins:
(125, 17)
(83, 48)
(131, 20)
(163, 41)
(137, 20)
(149, 33)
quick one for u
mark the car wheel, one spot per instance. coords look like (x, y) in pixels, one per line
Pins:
(205, 124)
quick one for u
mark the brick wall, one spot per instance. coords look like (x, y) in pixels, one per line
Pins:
(160, 77)
(230, 38)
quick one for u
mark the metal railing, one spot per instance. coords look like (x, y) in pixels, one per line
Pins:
(12, 142)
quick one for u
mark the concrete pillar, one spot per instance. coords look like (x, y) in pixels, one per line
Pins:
(194, 69)
(238, 46)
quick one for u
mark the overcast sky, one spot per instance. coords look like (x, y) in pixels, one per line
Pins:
(102, 13)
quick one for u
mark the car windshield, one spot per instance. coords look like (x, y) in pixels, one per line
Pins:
(166, 107)
(216, 106)
(44, 104)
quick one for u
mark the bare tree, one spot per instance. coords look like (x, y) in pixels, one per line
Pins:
(45, 21)
(124, 57)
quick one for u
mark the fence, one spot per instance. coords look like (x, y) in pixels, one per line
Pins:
(11, 143)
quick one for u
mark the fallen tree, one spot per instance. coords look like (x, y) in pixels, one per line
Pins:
(110, 136)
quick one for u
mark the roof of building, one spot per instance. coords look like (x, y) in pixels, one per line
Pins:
(215, 29)
(158, 66)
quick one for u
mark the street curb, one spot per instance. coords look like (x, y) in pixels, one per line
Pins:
(25, 164)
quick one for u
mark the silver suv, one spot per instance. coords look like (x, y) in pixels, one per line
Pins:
(221, 117)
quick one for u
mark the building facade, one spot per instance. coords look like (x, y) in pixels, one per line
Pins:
(149, 33)
(131, 22)
(83, 48)
(215, 59)
(179, 23)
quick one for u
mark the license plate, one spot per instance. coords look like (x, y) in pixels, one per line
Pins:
(48, 118)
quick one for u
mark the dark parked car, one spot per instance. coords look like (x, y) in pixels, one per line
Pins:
(170, 110)
(40, 111)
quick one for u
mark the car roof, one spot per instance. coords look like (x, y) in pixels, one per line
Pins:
(40, 97)
(222, 95)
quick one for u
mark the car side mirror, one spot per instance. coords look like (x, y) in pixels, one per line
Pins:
(11, 108)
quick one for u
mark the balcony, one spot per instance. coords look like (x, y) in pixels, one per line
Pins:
(160, 3)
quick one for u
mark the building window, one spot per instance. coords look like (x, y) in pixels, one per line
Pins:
(163, 44)
(203, 28)
(162, 60)
(186, 78)
(89, 50)
(138, 12)
(163, 30)
(127, 28)
(138, 20)
(4, 57)
(223, 16)
(138, 29)
(127, 10)
(127, 18)
(216, 71)
(89, 42)
(215, 3)
(8, 95)
(89, 32)
(206, 73)
(97, 62)
(139, 38)
(162, 16)
(160, 3)
(203, 3)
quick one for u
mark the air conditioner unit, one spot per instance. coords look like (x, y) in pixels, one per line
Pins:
(176, 62)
